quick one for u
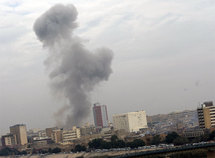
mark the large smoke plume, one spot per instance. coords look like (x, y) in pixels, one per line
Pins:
(74, 70)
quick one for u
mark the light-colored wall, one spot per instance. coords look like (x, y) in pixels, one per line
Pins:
(69, 135)
(121, 122)
(130, 122)
(104, 116)
(137, 120)
(21, 134)
(207, 119)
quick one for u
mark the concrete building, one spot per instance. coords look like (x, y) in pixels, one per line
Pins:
(20, 132)
(88, 130)
(72, 134)
(193, 132)
(100, 115)
(206, 115)
(8, 140)
(56, 135)
(49, 131)
(130, 122)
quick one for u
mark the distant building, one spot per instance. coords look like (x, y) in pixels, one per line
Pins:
(43, 142)
(20, 132)
(193, 132)
(206, 115)
(49, 131)
(65, 135)
(100, 115)
(130, 122)
(72, 134)
(56, 135)
(88, 130)
(8, 140)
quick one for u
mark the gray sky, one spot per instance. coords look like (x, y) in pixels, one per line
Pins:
(163, 57)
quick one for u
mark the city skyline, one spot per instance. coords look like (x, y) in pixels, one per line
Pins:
(164, 62)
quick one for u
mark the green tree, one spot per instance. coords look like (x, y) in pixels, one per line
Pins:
(114, 138)
(170, 137)
(136, 143)
(79, 148)
(56, 150)
(212, 135)
(180, 141)
(156, 140)
(96, 143)
(8, 151)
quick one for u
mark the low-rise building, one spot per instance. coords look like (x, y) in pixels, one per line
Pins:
(56, 135)
(130, 122)
(9, 140)
(71, 134)
(193, 132)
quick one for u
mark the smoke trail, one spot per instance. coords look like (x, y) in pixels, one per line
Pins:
(74, 70)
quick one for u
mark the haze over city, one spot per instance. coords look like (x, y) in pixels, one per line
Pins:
(163, 57)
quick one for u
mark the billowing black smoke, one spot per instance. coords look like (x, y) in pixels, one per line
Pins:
(74, 70)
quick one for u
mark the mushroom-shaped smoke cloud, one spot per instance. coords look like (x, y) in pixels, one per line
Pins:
(74, 70)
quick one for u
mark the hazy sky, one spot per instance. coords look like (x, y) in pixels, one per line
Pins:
(164, 57)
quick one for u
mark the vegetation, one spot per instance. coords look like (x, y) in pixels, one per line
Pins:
(156, 140)
(79, 148)
(114, 143)
(11, 151)
(56, 150)
(170, 137)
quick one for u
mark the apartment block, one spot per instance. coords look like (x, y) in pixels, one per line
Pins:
(56, 135)
(20, 132)
(8, 140)
(206, 115)
(69, 135)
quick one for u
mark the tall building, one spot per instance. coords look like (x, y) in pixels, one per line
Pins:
(100, 115)
(130, 122)
(206, 115)
(20, 132)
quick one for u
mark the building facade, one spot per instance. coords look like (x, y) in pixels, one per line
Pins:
(100, 115)
(8, 140)
(206, 115)
(20, 132)
(70, 135)
(130, 122)
(56, 135)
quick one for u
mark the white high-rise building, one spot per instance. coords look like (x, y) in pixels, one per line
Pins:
(130, 122)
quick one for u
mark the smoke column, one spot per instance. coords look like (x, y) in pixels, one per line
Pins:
(74, 70)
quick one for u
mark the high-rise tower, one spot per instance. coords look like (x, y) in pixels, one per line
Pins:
(19, 131)
(100, 115)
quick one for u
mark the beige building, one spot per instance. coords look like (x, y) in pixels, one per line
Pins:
(56, 135)
(49, 131)
(206, 115)
(20, 132)
(130, 122)
(65, 136)
(9, 140)
(69, 135)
